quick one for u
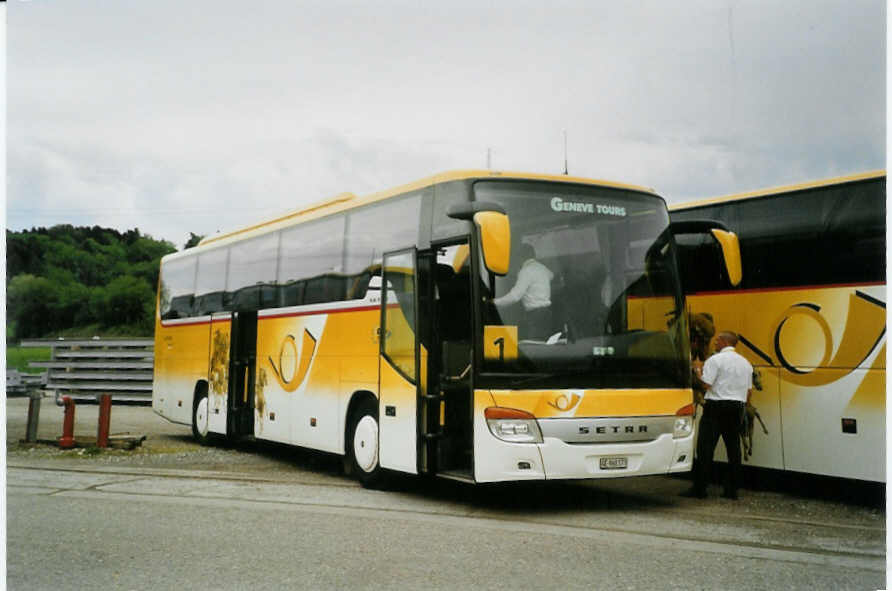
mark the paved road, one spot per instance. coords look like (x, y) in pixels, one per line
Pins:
(207, 518)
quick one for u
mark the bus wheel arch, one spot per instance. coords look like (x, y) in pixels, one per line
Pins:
(361, 458)
(200, 413)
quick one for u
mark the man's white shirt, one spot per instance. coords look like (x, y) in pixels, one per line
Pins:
(533, 287)
(729, 375)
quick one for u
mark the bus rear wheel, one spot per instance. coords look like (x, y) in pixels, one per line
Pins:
(200, 419)
(362, 445)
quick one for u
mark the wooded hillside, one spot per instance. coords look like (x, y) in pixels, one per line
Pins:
(95, 279)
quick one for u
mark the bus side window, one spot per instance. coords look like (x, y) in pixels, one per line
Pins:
(292, 293)
(269, 296)
(209, 303)
(310, 260)
(180, 307)
(211, 281)
(445, 196)
(252, 265)
(373, 230)
(359, 284)
(177, 288)
(325, 288)
(860, 228)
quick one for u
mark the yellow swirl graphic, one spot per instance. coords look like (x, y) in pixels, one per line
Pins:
(865, 327)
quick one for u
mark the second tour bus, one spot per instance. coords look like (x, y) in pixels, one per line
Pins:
(372, 327)
(811, 314)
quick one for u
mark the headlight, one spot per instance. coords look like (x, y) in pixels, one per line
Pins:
(510, 424)
(684, 422)
(683, 427)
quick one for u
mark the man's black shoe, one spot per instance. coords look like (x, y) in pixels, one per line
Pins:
(693, 493)
(730, 495)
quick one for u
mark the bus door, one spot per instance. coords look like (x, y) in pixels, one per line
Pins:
(218, 371)
(400, 381)
(242, 368)
(448, 412)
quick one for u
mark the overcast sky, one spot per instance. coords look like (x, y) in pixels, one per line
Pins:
(179, 116)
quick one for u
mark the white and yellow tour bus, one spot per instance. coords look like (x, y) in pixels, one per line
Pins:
(811, 314)
(366, 327)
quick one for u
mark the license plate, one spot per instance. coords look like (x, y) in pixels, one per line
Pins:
(614, 463)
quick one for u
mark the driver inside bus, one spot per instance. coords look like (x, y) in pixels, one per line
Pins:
(533, 291)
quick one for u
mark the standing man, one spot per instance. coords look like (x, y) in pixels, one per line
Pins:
(728, 379)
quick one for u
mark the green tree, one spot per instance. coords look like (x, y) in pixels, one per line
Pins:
(146, 249)
(63, 277)
(30, 303)
(127, 300)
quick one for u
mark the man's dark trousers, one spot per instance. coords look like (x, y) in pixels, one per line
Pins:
(720, 417)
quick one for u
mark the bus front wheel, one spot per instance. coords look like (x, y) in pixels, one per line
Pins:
(362, 445)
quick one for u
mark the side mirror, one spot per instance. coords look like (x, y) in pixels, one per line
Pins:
(731, 253)
(727, 240)
(495, 232)
(495, 240)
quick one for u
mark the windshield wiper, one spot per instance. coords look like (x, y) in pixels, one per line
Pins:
(527, 380)
(548, 376)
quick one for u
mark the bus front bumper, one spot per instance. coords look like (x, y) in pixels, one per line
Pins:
(554, 459)
(605, 460)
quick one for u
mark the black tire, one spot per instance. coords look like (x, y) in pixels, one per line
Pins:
(362, 445)
(200, 417)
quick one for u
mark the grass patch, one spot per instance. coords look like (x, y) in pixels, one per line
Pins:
(18, 358)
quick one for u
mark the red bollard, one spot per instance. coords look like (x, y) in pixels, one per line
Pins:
(104, 420)
(67, 439)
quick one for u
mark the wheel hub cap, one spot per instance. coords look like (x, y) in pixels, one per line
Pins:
(201, 416)
(365, 443)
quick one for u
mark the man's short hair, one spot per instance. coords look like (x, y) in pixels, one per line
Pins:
(729, 337)
(525, 251)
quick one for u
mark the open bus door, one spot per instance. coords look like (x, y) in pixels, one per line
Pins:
(242, 374)
(448, 412)
(425, 362)
(400, 381)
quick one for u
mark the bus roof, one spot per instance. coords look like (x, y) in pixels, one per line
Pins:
(346, 201)
(778, 190)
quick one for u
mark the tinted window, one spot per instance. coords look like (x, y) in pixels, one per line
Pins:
(177, 288)
(312, 253)
(211, 283)
(700, 261)
(821, 236)
(859, 231)
(699, 255)
(252, 273)
(816, 237)
(445, 196)
(377, 229)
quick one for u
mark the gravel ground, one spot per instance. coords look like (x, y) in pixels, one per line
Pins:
(166, 445)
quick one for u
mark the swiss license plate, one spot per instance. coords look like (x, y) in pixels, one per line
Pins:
(618, 463)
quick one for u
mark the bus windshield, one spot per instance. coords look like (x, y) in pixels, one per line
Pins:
(592, 298)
